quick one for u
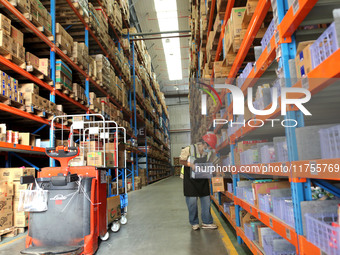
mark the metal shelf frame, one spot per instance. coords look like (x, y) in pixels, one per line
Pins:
(283, 41)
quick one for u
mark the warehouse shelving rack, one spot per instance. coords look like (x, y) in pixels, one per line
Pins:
(9, 9)
(282, 48)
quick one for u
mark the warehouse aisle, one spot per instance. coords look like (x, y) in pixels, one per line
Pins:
(157, 224)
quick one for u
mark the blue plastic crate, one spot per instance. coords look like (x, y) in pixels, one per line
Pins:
(324, 46)
(230, 187)
(322, 234)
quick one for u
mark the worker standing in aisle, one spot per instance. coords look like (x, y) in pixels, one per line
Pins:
(201, 152)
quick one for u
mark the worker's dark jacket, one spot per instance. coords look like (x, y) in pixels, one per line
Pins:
(195, 187)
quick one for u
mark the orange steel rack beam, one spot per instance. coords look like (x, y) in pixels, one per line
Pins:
(292, 20)
(20, 148)
(254, 249)
(254, 26)
(33, 78)
(328, 68)
(284, 230)
(225, 20)
(18, 112)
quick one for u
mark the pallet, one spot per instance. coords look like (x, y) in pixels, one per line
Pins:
(8, 232)
(37, 110)
(64, 49)
(6, 54)
(31, 69)
(64, 90)
(39, 26)
(7, 101)
(94, 108)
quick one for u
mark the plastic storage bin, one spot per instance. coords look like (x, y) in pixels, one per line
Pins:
(276, 245)
(249, 196)
(268, 35)
(330, 142)
(324, 46)
(279, 206)
(265, 203)
(289, 213)
(230, 187)
(248, 231)
(322, 234)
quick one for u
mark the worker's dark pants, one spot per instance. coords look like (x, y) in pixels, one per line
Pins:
(193, 210)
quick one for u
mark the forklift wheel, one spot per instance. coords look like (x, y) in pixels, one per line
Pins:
(123, 220)
(115, 226)
(105, 237)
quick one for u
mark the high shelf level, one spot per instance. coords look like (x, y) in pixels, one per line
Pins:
(92, 66)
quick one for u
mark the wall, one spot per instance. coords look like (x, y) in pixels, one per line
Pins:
(179, 124)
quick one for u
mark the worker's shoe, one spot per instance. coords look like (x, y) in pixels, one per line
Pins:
(209, 226)
(195, 227)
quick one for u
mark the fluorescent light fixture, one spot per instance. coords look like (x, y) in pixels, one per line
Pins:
(168, 21)
(176, 88)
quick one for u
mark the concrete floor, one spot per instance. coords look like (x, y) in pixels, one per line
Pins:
(157, 224)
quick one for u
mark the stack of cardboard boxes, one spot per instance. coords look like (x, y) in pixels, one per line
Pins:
(11, 41)
(6, 204)
(63, 75)
(9, 196)
(80, 55)
(9, 88)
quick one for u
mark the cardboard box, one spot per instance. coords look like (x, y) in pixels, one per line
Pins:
(6, 188)
(303, 59)
(14, 174)
(6, 204)
(232, 211)
(113, 208)
(17, 36)
(218, 184)
(27, 139)
(97, 159)
(20, 219)
(33, 60)
(17, 186)
(6, 220)
(44, 66)
(5, 24)
(29, 88)
(78, 161)
(266, 187)
(236, 18)
(247, 218)
(32, 99)
(5, 42)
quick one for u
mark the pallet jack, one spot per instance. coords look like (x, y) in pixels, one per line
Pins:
(76, 215)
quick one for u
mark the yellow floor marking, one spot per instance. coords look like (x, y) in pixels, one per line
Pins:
(225, 238)
(12, 241)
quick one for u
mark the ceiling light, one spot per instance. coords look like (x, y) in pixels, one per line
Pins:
(176, 88)
(168, 21)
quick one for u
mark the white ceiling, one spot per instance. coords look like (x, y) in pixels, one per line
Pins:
(148, 22)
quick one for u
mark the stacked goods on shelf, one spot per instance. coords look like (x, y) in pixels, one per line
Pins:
(124, 6)
(16, 137)
(6, 204)
(79, 93)
(38, 15)
(80, 55)
(63, 40)
(10, 177)
(103, 67)
(11, 41)
(9, 89)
